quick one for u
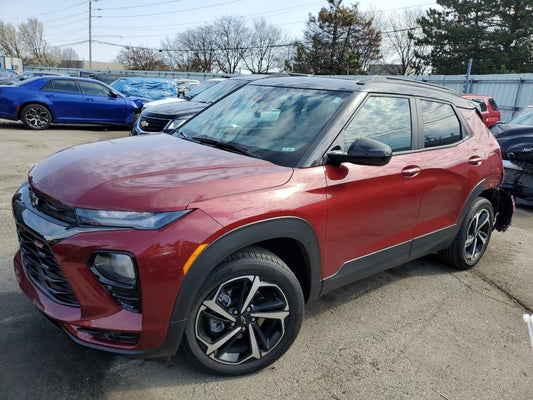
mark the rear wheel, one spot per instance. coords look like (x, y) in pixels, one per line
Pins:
(473, 237)
(36, 116)
(246, 315)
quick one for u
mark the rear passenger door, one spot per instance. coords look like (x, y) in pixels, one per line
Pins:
(66, 99)
(450, 159)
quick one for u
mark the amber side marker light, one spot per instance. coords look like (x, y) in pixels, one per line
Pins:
(193, 257)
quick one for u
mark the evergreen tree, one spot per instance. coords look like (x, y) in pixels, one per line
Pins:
(495, 34)
(338, 41)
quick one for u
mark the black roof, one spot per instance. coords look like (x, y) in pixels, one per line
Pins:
(386, 85)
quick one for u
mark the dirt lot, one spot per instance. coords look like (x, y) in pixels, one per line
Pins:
(420, 331)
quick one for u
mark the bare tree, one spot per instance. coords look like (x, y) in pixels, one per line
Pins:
(141, 58)
(232, 39)
(37, 50)
(66, 54)
(398, 47)
(266, 48)
(192, 50)
(10, 44)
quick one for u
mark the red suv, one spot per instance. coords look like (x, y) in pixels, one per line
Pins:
(215, 237)
(490, 113)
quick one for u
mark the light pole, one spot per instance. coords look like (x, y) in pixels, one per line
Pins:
(90, 36)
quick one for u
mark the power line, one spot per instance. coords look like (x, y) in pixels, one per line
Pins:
(68, 23)
(49, 12)
(144, 5)
(170, 12)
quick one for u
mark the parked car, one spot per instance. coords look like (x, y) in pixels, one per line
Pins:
(39, 102)
(7, 73)
(489, 109)
(185, 87)
(27, 75)
(106, 77)
(146, 87)
(168, 116)
(516, 141)
(284, 190)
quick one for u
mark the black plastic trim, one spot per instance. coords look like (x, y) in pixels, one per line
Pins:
(275, 228)
(368, 265)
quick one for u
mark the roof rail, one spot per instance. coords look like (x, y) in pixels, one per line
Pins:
(407, 81)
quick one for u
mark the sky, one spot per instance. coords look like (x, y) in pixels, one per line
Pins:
(146, 22)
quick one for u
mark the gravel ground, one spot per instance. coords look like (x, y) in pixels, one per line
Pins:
(420, 331)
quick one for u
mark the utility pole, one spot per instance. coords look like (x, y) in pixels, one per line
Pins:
(90, 36)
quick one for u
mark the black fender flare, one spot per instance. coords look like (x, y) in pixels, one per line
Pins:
(227, 244)
(243, 236)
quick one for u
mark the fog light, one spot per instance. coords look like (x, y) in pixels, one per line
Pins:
(116, 266)
(117, 273)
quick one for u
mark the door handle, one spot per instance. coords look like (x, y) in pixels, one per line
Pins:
(411, 171)
(89, 99)
(51, 96)
(475, 160)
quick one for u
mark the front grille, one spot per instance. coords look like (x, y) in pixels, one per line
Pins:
(53, 208)
(153, 124)
(43, 269)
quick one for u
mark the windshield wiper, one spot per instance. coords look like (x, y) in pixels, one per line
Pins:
(237, 148)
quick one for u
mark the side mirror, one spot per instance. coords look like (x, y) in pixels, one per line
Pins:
(363, 151)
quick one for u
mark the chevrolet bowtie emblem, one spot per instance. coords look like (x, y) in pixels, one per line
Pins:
(144, 124)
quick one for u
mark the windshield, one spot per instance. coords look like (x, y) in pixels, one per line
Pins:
(216, 92)
(277, 124)
(200, 88)
(525, 117)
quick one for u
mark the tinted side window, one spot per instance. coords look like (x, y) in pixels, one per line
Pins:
(386, 119)
(493, 105)
(95, 89)
(62, 85)
(48, 86)
(441, 126)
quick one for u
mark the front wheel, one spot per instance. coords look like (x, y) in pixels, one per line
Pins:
(246, 315)
(473, 237)
(36, 116)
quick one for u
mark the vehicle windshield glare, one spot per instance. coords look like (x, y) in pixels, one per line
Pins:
(277, 124)
(199, 89)
(218, 91)
(523, 118)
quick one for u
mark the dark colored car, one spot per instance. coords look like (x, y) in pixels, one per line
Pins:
(39, 102)
(489, 109)
(516, 141)
(167, 117)
(284, 190)
(27, 75)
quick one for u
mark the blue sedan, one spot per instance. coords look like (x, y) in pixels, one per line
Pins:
(38, 102)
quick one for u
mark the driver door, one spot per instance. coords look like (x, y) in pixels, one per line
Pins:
(372, 209)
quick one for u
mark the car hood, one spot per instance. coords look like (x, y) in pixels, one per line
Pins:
(150, 173)
(174, 109)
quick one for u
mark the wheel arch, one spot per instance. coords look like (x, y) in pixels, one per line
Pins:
(39, 102)
(290, 238)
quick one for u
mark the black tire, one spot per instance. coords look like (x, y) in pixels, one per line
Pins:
(36, 116)
(246, 315)
(473, 237)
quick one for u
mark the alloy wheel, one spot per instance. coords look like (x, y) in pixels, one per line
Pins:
(37, 117)
(477, 234)
(243, 319)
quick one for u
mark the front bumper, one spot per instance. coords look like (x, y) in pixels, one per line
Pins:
(93, 318)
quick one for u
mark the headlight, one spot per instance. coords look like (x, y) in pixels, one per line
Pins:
(128, 219)
(174, 124)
